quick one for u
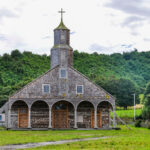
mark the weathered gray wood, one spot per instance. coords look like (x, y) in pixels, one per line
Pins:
(62, 89)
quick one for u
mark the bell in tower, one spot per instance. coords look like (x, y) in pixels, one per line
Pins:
(61, 53)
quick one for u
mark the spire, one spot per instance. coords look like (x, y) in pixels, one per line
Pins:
(61, 25)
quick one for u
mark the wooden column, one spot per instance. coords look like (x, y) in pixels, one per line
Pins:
(50, 118)
(75, 118)
(18, 118)
(95, 117)
(29, 118)
(9, 118)
(114, 120)
(109, 118)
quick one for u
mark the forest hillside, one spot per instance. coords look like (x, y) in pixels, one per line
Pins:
(120, 74)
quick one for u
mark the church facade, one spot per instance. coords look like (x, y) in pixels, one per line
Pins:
(61, 98)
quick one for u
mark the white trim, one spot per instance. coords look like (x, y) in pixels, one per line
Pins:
(43, 88)
(82, 89)
(60, 73)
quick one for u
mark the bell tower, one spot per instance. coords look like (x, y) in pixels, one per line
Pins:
(61, 52)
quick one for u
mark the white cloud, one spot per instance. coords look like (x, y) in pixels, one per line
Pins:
(28, 24)
(120, 48)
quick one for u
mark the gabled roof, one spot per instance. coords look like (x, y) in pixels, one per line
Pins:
(33, 81)
(80, 74)
(92, 82)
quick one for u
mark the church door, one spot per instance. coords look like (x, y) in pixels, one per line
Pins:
(60, 115)
(92, 118)
(99, 118)
(22, 117)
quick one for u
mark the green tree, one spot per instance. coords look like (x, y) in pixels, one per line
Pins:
(16, 54)
(1, 79)
(6, 57)
(146, 110)
(147, 90)
(123, 90)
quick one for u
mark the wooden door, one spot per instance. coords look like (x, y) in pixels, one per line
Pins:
(92, 118)
(60, 118)
(22, 118)
(99, 118)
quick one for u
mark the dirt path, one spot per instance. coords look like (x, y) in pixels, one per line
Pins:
(30, 145)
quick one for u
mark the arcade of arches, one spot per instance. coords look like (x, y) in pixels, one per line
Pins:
(61, 114)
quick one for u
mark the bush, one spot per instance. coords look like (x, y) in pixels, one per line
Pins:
(146, 112)
(148, 126)
(138, 123)
(139, 117)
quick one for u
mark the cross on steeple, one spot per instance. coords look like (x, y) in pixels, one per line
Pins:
(61, 11)
(61, 25)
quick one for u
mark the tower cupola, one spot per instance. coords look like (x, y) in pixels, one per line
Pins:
(61, 53)
(61, 34)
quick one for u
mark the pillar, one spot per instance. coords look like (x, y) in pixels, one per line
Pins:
(29, 118)
(109, 118)
(9, 118)
(114, 120)
(50, 118)
(75, 118)
(95, 117)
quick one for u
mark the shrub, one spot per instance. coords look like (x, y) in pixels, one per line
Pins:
(139, 117)
(148, 126)
(138, 123)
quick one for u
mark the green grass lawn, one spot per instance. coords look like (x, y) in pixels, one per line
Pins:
(18, 137)
(128, 113)
(137, 138)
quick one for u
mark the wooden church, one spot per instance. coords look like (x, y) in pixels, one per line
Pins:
(61, 98)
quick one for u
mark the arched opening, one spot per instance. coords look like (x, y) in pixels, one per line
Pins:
(63, 115)
(19, 114)
(39, 115)
(103, 114)
(85, 115)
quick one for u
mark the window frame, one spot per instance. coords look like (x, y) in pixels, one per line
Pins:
(1, 117)
(60, 73)
(43, 88)
(82, 89)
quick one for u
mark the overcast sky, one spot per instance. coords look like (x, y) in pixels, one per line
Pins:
(103, 26)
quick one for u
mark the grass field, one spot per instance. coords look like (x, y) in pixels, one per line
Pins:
(136, 138)
(18, 137)
(128, 113)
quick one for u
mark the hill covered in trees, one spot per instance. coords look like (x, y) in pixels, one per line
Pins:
(120, 74)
